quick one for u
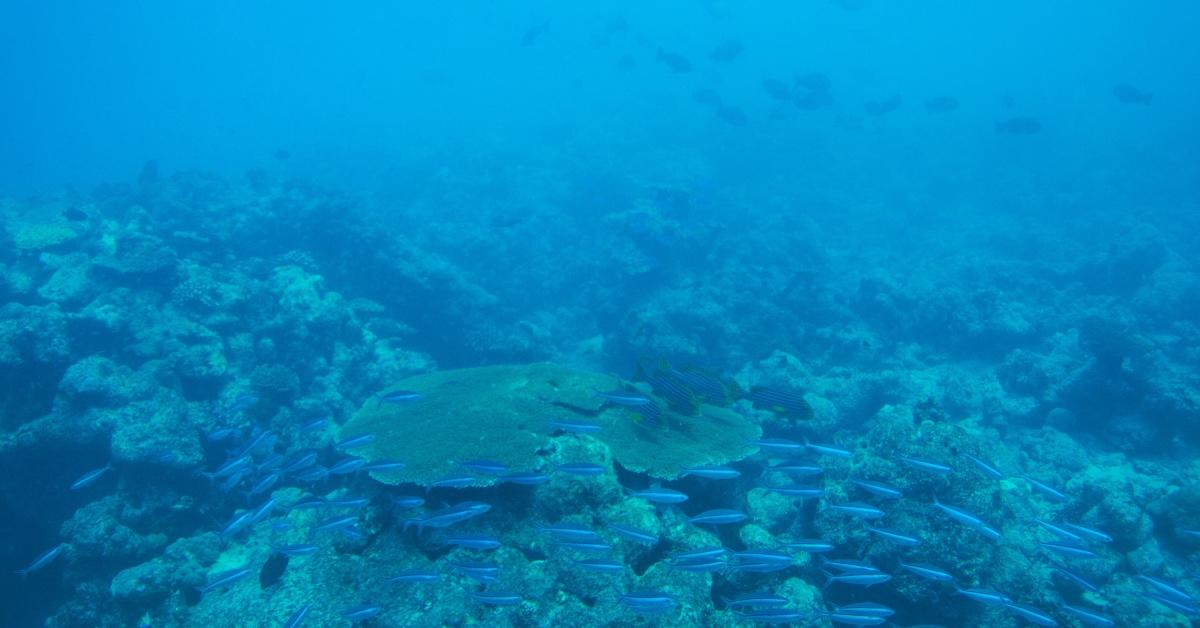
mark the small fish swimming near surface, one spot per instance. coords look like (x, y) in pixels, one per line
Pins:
(882, 107)
(708, 97)
(1131, 95)
(1019, 125)
(727, 50)
(535, 33)
(941, 104)
(731, 115)
(778, 90)
(674, 61)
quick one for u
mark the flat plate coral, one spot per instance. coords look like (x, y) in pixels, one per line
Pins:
(503, 413)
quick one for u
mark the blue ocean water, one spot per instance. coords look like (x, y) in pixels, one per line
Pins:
(848, 312)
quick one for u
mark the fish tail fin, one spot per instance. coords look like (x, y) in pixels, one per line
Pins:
(828, 578)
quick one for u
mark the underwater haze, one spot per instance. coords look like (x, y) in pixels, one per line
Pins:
(819, 313)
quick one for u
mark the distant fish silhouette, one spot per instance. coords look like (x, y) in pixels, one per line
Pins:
(282, 154)
(731, 115)
(534, 33)
(1020, 125)
(777, 89)
(1131, 95)
(673, 60)
(707, 97)
(727, 50)
(941, 104)
(882, 107)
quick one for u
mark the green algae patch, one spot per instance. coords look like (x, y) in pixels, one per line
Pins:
(503, 413)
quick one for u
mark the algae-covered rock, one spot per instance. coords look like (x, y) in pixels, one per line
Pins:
(503, 413)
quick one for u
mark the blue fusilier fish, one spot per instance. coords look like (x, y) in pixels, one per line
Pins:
(903, 538)
(762, 555)
(489, 467)
(43, 559)
(354, 442)
(483, 572)
(315, 425)
(453, 481)
(927, 571)
(574, 426)
(852, 619)
(1031, 614)
(448, 516)
(812, 546)
(848, 565)
(718, 516)
(297, 617)
(315, 473)
(1168, 590)
(700, 565)
(90, 477)
(879, 489)
(871, 609)
(1050, 492)
(264, 440)
(711, 472)
(1087, 616)
(777, 445)
(986, 467)
(1059, 531)
(591, 547)
(240, 521)
(496, 598)
(224, 580)
(408, 502)
(782, 401)
(409, 576)
(798, 492)
(1079, 581)
(347, 465)
(774, 615)
(701, 553)
(798, 468)
(1067, 549)
(1091, 534)
(857, 579)
(569, 531)
(474, 541)
(362, 612)
(637, 535)
(220, 434)
(826, 449)
(397, 397)
(985, 595)
(1183, 608)
(760, 599)
(298, 461)
(927, 464)
(958, 514)
(860, 510)
(300, 549)
(659, 495)
(648, 602)
(336, 522)
(584, 469)
(240, 403)
(524, 478)
(383, 466)
(600, 565)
